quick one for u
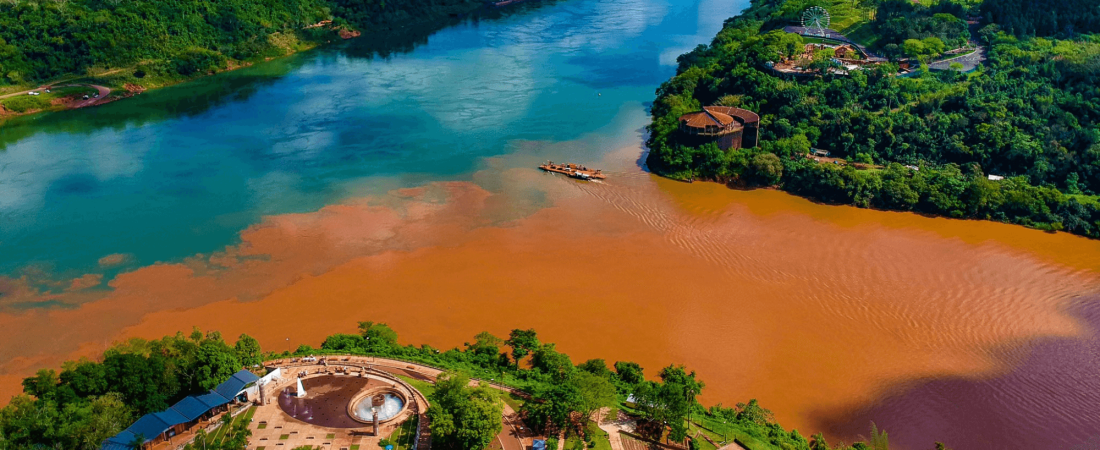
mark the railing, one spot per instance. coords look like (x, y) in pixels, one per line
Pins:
(419, 423)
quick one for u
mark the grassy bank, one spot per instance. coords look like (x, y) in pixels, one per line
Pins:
(52, 44)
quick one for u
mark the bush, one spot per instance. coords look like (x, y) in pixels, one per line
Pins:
(198, 61)
(24, 103)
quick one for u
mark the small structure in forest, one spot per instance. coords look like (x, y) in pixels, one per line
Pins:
(730, 127)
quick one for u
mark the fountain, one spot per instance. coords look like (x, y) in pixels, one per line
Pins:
(390, 406)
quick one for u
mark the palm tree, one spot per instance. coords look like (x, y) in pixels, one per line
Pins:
(878, 439)
(138, 442)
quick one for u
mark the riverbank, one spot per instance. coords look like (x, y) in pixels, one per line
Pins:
(125, 82)
(917, 128)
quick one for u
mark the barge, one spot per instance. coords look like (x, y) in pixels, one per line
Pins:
(574, 170)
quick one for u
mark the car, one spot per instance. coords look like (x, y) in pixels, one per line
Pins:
(85, 96)
(33, 93)
(96, 95)
(47, 91)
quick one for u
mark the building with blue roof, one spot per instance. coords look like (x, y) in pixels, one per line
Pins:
(190, 408)
(236, 383)
(160, 426)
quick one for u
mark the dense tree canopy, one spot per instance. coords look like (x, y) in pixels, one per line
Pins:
(90, 401)
(463, 417)
(1031, 114)
(42, 39)
(1044, 17)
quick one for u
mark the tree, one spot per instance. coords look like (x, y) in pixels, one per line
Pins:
(596, 367)
(767, 168)
(629, 372)
(486, 349)
(551, 362)
(551, 406)
(913, 48)
(933, 45)
(42, 384)
(344, 342)
(248, 351)
(817, 442)
(752, 412)
(523, 343)
(215, 363)
(141, 381)
(594, 392)
(463, 418)
(879, 441)
(379, 336)
(107, 416)
(671, 401)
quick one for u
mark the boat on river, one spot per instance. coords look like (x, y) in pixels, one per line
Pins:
(574, 170)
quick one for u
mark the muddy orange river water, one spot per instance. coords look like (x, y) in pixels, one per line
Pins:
(829, 315)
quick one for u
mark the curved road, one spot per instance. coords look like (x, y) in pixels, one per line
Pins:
(103, 91)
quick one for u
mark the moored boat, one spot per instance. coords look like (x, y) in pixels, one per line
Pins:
(574, 170)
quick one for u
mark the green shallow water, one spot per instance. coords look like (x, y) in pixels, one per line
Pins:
(182, 170)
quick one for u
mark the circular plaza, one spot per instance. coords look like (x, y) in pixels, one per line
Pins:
(337, 402)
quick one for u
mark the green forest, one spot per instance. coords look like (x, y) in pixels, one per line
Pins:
(45, 39)
(924, 142)
(89, 401)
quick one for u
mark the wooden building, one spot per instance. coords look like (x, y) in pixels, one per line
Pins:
(730, 127)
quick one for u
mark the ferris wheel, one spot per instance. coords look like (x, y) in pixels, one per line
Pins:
(815, 20)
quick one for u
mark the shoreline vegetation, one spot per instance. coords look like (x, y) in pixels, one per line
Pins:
(1015, 140)
(89, 401)
(133, 46)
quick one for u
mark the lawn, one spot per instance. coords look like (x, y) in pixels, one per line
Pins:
(217, 435)
(405, 435)
(512, 400)
(424, 387)
(23, 103)
(718, 432)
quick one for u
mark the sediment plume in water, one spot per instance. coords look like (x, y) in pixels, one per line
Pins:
(817, 311)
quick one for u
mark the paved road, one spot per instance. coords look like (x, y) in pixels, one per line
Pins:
(103, 91)
(969, 61)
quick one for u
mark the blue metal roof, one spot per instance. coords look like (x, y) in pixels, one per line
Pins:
(212, 400)
(119, 441)
(190, 408)
(170, 417)
(152, 425)
(236, 383)
(149, 427)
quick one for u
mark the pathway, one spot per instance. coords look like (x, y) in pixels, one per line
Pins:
(613, 428)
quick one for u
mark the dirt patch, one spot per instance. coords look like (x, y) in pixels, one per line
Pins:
(65, 100)
(134, 88)
(348, 34)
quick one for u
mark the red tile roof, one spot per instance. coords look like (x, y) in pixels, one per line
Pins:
(718, 116)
